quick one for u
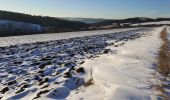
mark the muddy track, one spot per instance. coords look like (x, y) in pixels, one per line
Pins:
(163, 67)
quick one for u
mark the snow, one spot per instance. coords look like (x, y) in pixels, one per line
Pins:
(8, 21)
(168, 30)
(14, 40)
(127, 74)
(13, 25)
(118, 63)
(153, 23)
(4, 21)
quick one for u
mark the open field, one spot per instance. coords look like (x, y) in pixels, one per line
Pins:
(109, 64)
(14, 40)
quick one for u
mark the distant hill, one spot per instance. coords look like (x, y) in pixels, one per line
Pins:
(128, 20)
(85, 20)
(51, 24)
(132, 20)
(18, 23)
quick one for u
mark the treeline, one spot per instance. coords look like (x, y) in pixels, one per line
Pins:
(54, 25)
(50, 24)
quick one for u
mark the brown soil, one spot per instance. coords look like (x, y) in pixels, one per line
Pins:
(88, 83)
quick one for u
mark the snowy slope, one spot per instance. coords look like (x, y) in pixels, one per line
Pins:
(153, 23)
(13, 40)
(3, 21)
(168, 30)
(53, 69)
(125, 74)
(8, 21)
(4, 24)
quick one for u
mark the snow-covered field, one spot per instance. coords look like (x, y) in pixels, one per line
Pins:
(8, 26)
(98, 65)
(13, 40)
(125, 74)
(153, 23)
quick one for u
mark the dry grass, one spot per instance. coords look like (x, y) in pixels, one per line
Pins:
(88, 83)
(163, 64)
(164, 56)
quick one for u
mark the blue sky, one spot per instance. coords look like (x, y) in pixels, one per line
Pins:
(112, 9)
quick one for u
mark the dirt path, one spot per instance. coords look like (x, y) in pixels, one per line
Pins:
(163, 67)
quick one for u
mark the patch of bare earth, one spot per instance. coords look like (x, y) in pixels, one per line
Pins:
(163, 67)
(88, 83)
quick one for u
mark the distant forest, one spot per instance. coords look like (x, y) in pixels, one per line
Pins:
(54, 25)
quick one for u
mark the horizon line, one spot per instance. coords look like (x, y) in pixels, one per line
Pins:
(81, 17)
